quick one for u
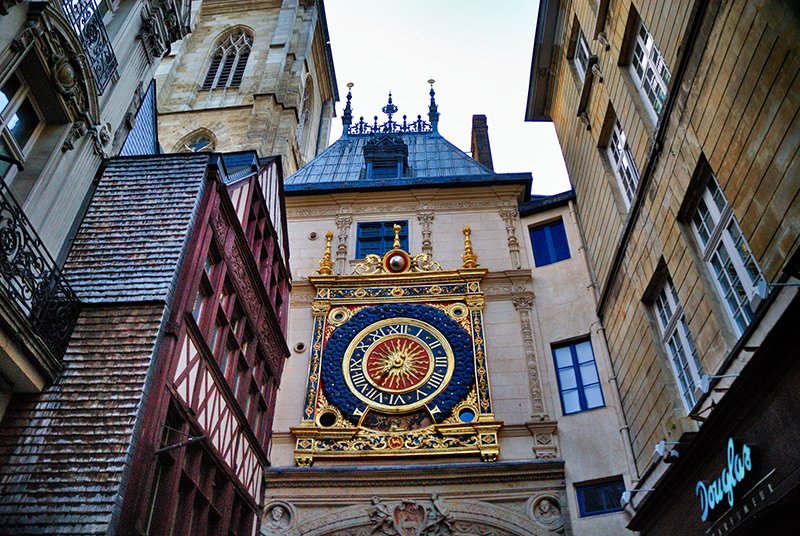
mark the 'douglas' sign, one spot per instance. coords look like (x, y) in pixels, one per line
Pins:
(712, 493)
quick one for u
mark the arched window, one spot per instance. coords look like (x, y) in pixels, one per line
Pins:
(229, 60)
(305, 111)
(199, 141)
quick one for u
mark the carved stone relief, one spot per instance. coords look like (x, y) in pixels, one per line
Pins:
(523, 303)
(344, 220)
(546, 511)
(433, 516)
(510, 216)
(425, 218)
(278, 518)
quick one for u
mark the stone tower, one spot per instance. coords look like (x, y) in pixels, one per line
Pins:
(257, 75)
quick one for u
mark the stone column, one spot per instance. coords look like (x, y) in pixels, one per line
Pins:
(425, 218)
(510, 217)
(343, 222)
(523, 303)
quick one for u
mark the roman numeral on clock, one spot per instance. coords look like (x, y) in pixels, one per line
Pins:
(359, 379)
(396, 399)
(436, 379)
(397, 328)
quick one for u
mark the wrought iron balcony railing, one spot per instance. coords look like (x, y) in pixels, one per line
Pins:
(87, 21)
(30, 279)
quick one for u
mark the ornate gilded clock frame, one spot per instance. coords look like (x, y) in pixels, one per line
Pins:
(397, 278)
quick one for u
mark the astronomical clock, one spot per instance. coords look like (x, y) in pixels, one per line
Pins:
(398, 362)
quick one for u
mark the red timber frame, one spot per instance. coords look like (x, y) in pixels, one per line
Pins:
(216, 375)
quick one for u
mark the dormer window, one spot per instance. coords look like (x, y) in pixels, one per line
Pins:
(384, 170)
(386, 156)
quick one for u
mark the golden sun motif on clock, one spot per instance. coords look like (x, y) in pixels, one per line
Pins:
(398, 363)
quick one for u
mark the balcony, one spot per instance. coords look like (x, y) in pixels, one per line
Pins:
(86, 19)
(38, 309)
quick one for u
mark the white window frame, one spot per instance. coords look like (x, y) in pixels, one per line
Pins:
(649, 71)
(727, 254)
(619, 153)
(581, 56)
(678, 343)
(10, 110)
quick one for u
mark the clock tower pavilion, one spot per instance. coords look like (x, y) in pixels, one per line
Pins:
(435, 364)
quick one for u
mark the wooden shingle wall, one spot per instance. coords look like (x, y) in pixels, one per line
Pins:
(737, 107)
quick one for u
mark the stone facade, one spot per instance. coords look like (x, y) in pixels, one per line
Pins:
(726, 113)
(527, 311)
(284, 102)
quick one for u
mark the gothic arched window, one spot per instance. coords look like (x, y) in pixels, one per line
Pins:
(199, 141)
(305, 111)
(229, 60)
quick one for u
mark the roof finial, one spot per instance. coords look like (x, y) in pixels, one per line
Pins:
(390, 109)
(433, 110)
(326, 264)
(469, 257)
(396, 230)
(347, 115)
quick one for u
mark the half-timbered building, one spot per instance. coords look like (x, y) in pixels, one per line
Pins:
(160, 420)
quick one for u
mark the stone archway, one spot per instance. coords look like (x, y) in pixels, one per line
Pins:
(432, 517)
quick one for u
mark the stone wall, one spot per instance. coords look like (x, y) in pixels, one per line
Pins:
(264, 113)
(527, 309)
(736, 108)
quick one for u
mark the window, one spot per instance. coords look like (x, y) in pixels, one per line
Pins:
(578, 381)
(20, 121)
(601, 498)
(229, 60)
(649, 70)
(581, 55)
(206, 497)
(549, 243)
(622, 161)
(727, 254)
(378, 237)
(384, 170)
(200, 145)
(677, 340)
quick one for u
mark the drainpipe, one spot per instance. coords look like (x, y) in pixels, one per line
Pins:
(624, 429)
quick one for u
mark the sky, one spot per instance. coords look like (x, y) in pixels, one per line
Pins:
(478, 51)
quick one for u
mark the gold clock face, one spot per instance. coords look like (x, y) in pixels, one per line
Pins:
(398, 364)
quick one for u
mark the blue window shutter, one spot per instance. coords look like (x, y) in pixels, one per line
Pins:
(378, 237)
(549, 243)
(541, 254)
(560, 244)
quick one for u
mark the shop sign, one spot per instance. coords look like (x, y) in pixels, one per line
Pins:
(712, 494)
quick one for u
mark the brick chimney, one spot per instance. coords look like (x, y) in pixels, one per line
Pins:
(481, 151)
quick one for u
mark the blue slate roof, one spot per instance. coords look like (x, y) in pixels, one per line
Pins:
(538, 203)
(432, 161)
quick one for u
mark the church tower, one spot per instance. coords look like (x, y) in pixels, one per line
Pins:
(252, 76)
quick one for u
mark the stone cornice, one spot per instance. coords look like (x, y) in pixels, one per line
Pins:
(410, 475)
